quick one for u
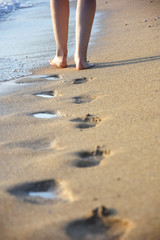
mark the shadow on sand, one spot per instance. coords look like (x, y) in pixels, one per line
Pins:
(127, 62)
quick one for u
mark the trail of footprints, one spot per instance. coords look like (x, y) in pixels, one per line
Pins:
(102, 223)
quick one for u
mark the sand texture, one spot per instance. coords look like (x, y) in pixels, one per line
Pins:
(87, 167)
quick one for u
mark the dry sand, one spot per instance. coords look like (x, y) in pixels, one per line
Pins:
(98, 161)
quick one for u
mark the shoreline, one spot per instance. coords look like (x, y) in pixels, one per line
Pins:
(95, 163)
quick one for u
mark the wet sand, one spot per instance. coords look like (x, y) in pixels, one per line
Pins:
(90, 170)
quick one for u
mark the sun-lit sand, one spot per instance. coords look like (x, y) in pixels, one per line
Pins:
(91, 171)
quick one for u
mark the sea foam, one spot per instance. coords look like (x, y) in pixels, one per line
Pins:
(7, 6)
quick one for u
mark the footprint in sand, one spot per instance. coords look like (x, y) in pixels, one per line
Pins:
(38, 78)
(40, 144)
(49, 94)
(102, 224)
(84, 125)
(88, 121)
(83, 99)
(45, 115)
(80, 80)
(90, 159)
(42, 192)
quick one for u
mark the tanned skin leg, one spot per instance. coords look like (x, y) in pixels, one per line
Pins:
(84, 21)
(60, 19)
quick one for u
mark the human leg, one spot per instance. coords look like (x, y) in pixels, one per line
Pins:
(84, 20)
(60, 18)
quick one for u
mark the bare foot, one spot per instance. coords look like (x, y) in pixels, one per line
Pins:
(82, 64)
(58, 62)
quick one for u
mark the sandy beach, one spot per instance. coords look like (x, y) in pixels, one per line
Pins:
(79, 150)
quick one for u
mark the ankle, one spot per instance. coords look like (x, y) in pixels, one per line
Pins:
(79, 59)
(61, 53)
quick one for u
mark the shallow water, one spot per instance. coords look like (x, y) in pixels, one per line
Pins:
(45, 195)
(46, 77)
(46, 115)
(45, 95)
(7, 6)
(26, 37)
